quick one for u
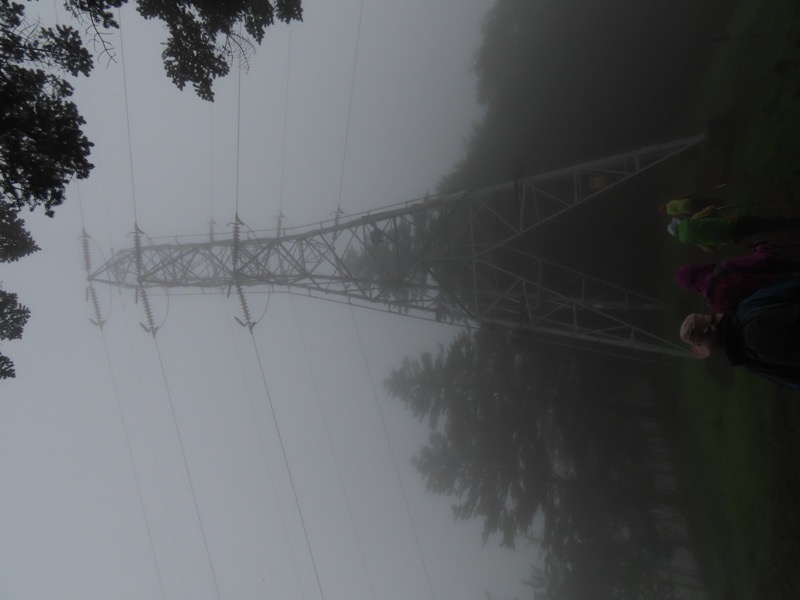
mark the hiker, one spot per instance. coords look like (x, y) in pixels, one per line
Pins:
(685, 206)
(725, 284)
(761, 334)
(707, 230)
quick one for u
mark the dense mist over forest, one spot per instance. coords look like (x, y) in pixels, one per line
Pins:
(565, 81)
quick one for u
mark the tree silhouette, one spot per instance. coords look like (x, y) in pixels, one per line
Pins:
(15, 241)
(205, 36)
(520, 429)
(42, 146)
(13, 317)
(485, 446)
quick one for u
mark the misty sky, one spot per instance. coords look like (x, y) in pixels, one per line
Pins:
(90, 456)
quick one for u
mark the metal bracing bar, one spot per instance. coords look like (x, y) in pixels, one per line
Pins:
(657, 154)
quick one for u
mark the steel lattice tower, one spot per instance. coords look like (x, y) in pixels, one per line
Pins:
(458, 258)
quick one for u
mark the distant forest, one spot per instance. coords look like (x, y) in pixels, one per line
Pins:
(567, 80)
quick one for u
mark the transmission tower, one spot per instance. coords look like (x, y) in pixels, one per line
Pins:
(458, 258)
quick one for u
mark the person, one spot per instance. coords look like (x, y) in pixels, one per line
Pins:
(761, 334)
(725, 284)
(685, 206)
(707, 230)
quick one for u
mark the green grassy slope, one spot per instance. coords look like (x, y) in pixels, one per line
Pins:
(737, 445)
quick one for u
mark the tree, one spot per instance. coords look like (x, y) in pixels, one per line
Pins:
(485, 446)
(13, 317)
(42, 146)
(205, 36)
(520, 429)
(15, 241)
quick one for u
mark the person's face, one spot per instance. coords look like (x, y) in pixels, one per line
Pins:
(696, 329)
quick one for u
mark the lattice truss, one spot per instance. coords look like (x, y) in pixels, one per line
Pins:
(459, 258)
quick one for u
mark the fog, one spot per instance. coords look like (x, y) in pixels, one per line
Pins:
(182, 455)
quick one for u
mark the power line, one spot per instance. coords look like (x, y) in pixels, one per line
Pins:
(127, 113)
(286, 463)
(126, 433)
(151, 444)
(186, 467)
(394, 458)
(262, 442)
(236, 346)
(251, 325)
(300, 331)
(285, 123)
(121, 412)
(349, 108)
(151, 327)
(211, 168)
(338, 212)
(352, 314)
(333, 450)
(238, 133)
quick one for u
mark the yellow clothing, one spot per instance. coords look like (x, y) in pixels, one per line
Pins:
(680, 207)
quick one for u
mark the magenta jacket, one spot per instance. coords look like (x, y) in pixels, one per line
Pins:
(725, 284)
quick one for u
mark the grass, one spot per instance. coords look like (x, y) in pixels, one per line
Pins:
(737, 450)
(728, 459)
(755, 77)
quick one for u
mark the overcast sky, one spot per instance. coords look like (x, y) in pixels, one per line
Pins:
(102, 495)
